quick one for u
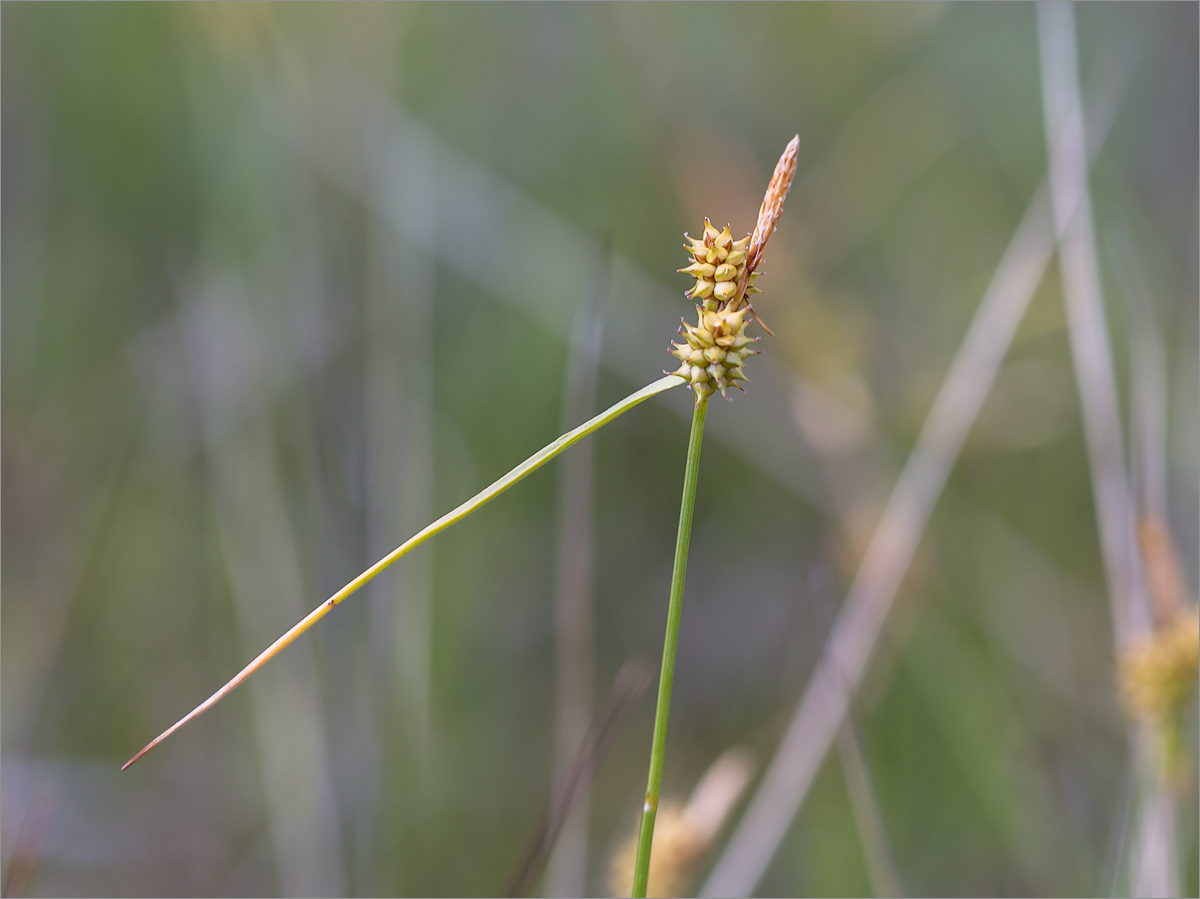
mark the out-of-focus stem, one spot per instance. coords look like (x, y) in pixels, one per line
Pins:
(1155, 868)
(399, 453)
(567, 867)
(641, 871)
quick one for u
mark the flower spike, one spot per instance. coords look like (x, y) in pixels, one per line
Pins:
(716, 348)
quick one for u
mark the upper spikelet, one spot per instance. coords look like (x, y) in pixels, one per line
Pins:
(718, 262)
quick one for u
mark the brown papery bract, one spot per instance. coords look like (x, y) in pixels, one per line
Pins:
(772, 204)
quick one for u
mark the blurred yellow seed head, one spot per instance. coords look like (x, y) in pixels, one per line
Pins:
(1158, 674)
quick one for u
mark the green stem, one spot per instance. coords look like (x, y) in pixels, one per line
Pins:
(641, 871)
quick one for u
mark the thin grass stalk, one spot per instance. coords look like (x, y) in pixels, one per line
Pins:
(1148, 378)
(641, 871)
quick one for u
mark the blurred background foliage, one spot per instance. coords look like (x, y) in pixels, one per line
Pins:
(283, 282)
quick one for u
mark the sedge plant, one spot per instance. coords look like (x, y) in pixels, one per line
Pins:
(712, 358)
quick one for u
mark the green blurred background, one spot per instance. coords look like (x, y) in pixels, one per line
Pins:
(281, 283)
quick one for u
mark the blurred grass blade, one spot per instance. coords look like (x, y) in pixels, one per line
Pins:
(263, 565)
(398, 416)
(541, 457)
(1155, 863)
(860, 783)
(575, 776)
(567, 866)
(1087, 328)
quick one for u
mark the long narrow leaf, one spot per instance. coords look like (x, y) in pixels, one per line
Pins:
(541, 457)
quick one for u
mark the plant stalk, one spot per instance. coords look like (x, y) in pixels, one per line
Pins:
(641, 871)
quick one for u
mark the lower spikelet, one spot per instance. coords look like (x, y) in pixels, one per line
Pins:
(714, 350)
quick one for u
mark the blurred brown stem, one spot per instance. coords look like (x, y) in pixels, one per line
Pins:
(628, 686)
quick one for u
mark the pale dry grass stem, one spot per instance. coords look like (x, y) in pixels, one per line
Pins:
(574, 675)
(823, 707)
(398, 450)
(263, 561)
(1155, 864)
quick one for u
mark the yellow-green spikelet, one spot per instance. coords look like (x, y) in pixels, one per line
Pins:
(716, 348)
(718, 263)
(714, 351)
(1158, 673)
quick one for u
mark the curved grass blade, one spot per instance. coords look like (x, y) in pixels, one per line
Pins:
(541, 457)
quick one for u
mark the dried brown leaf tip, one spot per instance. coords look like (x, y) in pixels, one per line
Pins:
(1165, 582)
(714, 351)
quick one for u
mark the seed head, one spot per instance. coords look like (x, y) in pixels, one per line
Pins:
(718, 264)
(1158, 674)
(715, 350)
